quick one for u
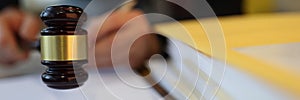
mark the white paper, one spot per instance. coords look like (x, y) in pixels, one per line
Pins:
(285, 55)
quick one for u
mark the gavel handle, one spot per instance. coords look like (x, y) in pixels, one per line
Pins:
(26, 46)
(35, 45)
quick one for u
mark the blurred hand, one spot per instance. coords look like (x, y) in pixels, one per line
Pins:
(127, 25)
(16, 24)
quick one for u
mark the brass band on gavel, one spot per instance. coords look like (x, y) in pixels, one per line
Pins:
(64, 47)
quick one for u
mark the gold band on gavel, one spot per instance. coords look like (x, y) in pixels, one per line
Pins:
(64, 47)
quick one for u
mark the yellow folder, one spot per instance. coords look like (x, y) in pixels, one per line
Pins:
(243, 31)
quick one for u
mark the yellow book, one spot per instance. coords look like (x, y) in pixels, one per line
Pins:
(236, 39)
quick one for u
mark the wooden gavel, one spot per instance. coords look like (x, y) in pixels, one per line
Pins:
(63, 47)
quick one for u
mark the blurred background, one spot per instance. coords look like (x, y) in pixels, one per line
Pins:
(221, 7)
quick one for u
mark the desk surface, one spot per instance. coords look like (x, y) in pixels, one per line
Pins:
(103, 85)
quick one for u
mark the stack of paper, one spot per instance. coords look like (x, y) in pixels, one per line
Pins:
(258, 60)
(189, 74)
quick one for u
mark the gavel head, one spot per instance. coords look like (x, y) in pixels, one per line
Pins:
(63, 46)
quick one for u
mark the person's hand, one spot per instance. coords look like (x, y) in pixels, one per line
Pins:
(15, 24)
(127, 25)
